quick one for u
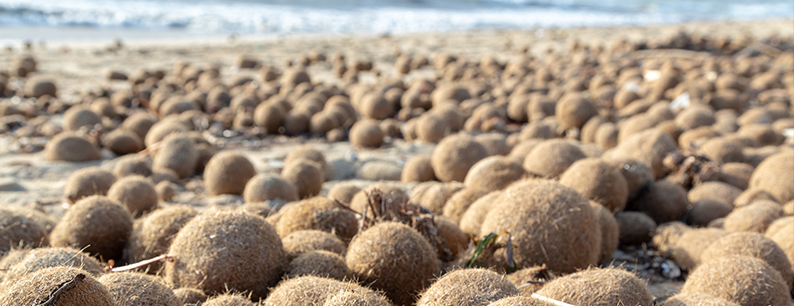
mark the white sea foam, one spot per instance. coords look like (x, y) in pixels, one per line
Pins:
(371, 16)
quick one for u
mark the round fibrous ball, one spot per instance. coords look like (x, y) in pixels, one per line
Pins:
(87, 182)
(418, 169)
(17, 230)
(139, 123)
(393, 199)
(775, 176)
(165, 190)
(190, 295)
(635, 227)
(130, 288)
(551, 158)
(455, 155)
(152, 235)
(573, 111)
(319, 263)
(434, 195)
(665, 201)
(78, 117)
(736, 174)
(177, 153)
(739, 279)
(122, 142)
(37, 287)
(597, 181)
(610, 232)
(379, 170)
(159, 130)
(306, 176)
(467, 287)
(312, 154)
(431, 128)
(755, 217)
(43, 258)
(714, 190)
(228, 300)
(707, 210)
(668, 234)
(453, 240)
(318, 213)
(344, 298)
(375, 106)
(366, 133)
(97, 225)
(267, 186)
(599, 287)
(136, 193)
(751, 195)
(493, 173)
(37, 87)
(520, 301)
(649, 147)
(269, 116)
(549, 223)
(227, 173)
(132, 165)
(696, 299)
(70, 147)
(226, 250)
(459, 202)
(471, 220)
(687, 249)
(312, 290)
(378, 257)
(343, 192)
(299, 242)
(751, 245)
(722, 150)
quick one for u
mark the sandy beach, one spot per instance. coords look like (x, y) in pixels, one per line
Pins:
(81, 68)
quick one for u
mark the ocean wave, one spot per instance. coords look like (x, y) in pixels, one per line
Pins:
(371, 16)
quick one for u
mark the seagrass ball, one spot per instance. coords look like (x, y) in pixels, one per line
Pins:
(87, 182)
(696, 299)
(418, 168)
(755, 217)
(551, 158)
(610, 232)
(686, 250)
(343, 192)
(98, 225)
(37, 287)
(136, 193)
(70, 147)
(267, 186)
(227, 173)
(152, 235)
(635, 227)
(313, 290)
(228, 299)
(573, 111)
(122, 142)
(346, 297)
(752, 245)
(773, 175)
(467, 287)
(303, 241)
(431, 128)
(130, 288)
(77, 117)
(665, 201)
(307, 177)
(740, 279)
(319, 263)
(599, 287)
(47, 257)
(706, 210)
(177, 153)
(366, 133)
(190, 295)
(493, 173)
(132, 165)
(597, 181)
(18, 230)
(318, 213)
(455, 155)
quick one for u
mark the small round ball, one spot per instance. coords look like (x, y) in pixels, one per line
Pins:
(227, 173)
(454, 156)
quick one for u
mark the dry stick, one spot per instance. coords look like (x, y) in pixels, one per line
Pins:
(549, 300)
(143, 263)
(63, 289)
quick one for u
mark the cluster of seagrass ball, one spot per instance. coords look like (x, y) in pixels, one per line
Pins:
(541, 169)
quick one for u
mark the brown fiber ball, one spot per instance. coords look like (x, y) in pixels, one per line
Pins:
(312, 154)
(418, 169)
(375, 106)
(714, 190)
(177, 153)
(122, 142)
(37, 287)
(668, 234)
(739, 279)
(755, 217)
(393, 198)
(687, 249)
(736, 174)
(43, 258)
(467, 287)
(635, 227)
(267, 186)
(694, 117)
(665, 201)
(227, 173)
(573, 111)
(306, 176)
(520, 301)
(366, 133)
(751, 195)
(434, 196)
(319, 263)
(431, 128)
(152, 235)
(70, 147)
(136, 193)
(460, 202)
(454, 155)
(610, 232)
(379, 170)
(752, 245)
(87, 182)
(130, 288)
(551, 158)
(78, 117)
(163, 128)
(190, 295)
(228, 300)
(313, 290)
(344, 298)
(378, 257)
(549, 223)
(226, 250)
(471, 220)
(707, 210)
(775, 176)
(493, 173)
(139, 123)
(37, 87)
(637, 174)
(318, 213)
(599, 287)
(696, 299)
(597, 181)
(650, 147)
(165, 190)
(96, 224)
(344, 192)
(132, 165)
(303, 241)
(722, 150)
(453, 240)
(269, 116)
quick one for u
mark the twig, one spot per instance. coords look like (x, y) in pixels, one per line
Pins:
(141, 264)
(63, 289)
(549, 300)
